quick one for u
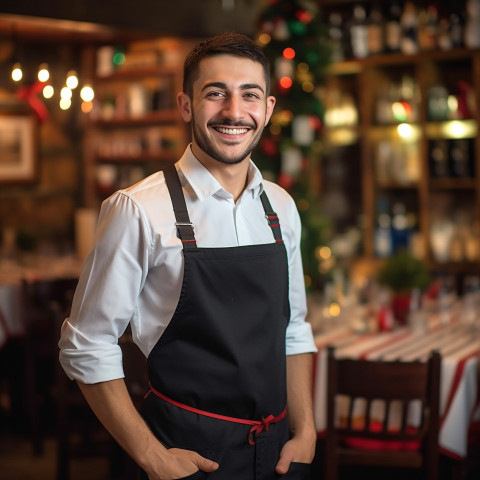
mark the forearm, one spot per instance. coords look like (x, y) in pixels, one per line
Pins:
(299, 394)
(111, 403)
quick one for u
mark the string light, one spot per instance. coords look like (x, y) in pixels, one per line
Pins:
(48, 91)
(264, 39)
(43, 73)
(285, 82)
(86, 93)
(65, 103)
(17, 73)
(289, 53)
(66, 93)
(72, 80)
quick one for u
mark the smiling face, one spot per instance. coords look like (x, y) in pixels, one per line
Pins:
(228, 110)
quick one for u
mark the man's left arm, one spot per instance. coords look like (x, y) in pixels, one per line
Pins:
(301, 446)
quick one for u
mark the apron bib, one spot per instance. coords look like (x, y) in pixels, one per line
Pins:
(218, 372)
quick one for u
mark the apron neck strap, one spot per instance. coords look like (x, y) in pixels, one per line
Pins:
(184, 226)
(272, 217)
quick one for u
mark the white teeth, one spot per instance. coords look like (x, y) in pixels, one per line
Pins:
(233, 131)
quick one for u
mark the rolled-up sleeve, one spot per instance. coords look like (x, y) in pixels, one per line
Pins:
(107, 294)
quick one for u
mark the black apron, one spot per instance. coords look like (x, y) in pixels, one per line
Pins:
(218, 372)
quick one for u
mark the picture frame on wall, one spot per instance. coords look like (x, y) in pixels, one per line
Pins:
(18, 155)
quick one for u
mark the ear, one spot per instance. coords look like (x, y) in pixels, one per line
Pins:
(185, 106)
(270, 106)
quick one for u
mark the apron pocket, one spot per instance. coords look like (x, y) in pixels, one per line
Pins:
(298, 471)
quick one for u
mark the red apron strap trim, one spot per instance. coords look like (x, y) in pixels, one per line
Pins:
(257, 425)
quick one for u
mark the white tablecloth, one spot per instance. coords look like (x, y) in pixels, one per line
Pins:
(11, 276)
(459, 345)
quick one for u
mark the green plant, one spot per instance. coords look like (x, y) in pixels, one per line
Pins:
(403, 272)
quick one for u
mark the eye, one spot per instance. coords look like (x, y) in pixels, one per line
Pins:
(251, 95)
(215, 93)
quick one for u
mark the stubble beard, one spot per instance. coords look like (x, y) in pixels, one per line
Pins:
(206, 146)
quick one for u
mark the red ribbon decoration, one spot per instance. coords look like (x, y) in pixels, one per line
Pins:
(29, 94)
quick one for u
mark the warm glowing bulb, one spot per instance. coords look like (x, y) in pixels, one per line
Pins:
(289, 53)
(17, 73)
(72, 80)
(65, 103)
(334, 309)
(66, 93)
(405, 130)
(308, 87)
(86, 93)
(285, 82)
(303, 67)
(264, 39)
(86, 107)
(48, 91)
(43, 73)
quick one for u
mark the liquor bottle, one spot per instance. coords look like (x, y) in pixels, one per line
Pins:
(336, 37)
(456, 30)
(472, 24)
(393, 29)
(375, 39)
(359, 33)
(383, 236)
(444, 40)
(400, 228)
(409, 24)
(438, 153)
(428, 28)
(460, 158)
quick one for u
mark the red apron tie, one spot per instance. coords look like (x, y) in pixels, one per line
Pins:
(258, 426)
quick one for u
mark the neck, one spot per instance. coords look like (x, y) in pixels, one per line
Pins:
(233, 178)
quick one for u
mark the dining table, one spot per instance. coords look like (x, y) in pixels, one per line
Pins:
(454, 331)
(13, 272)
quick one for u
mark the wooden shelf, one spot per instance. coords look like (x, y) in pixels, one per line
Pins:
(108, 134)
(130, 73)
(365, 80)
(143, 158)
(453, 183)
(155, 117)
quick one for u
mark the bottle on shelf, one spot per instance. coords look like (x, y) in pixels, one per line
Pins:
(400, 228)
(460, 156)
(383, 236)
(359, 32)
(393, 29)
(428, 28)
(375, 37)
(336, 37)
(409, 24)
(438, 155)
(472, 24)
(456, 30)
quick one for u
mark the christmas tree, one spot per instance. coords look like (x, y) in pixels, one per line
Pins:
(294, 39)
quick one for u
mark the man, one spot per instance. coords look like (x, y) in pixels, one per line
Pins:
(213, 291)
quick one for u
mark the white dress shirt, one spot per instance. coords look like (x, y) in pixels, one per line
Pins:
(134, 272)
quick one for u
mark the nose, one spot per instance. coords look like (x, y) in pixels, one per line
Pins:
(233, 107)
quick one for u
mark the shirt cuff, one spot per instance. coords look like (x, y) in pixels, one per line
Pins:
(299, 339)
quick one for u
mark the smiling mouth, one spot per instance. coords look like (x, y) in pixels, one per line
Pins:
(231, 131)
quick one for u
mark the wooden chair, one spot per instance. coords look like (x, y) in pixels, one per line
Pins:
(42, 300)
(374, 443)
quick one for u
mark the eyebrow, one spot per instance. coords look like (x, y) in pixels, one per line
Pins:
(246, 86)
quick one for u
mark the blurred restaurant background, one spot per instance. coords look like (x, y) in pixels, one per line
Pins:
(375, 135)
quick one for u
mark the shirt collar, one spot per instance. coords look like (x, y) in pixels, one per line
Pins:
(204, 184)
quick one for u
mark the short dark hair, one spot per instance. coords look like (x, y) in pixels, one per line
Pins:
(223, 44)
